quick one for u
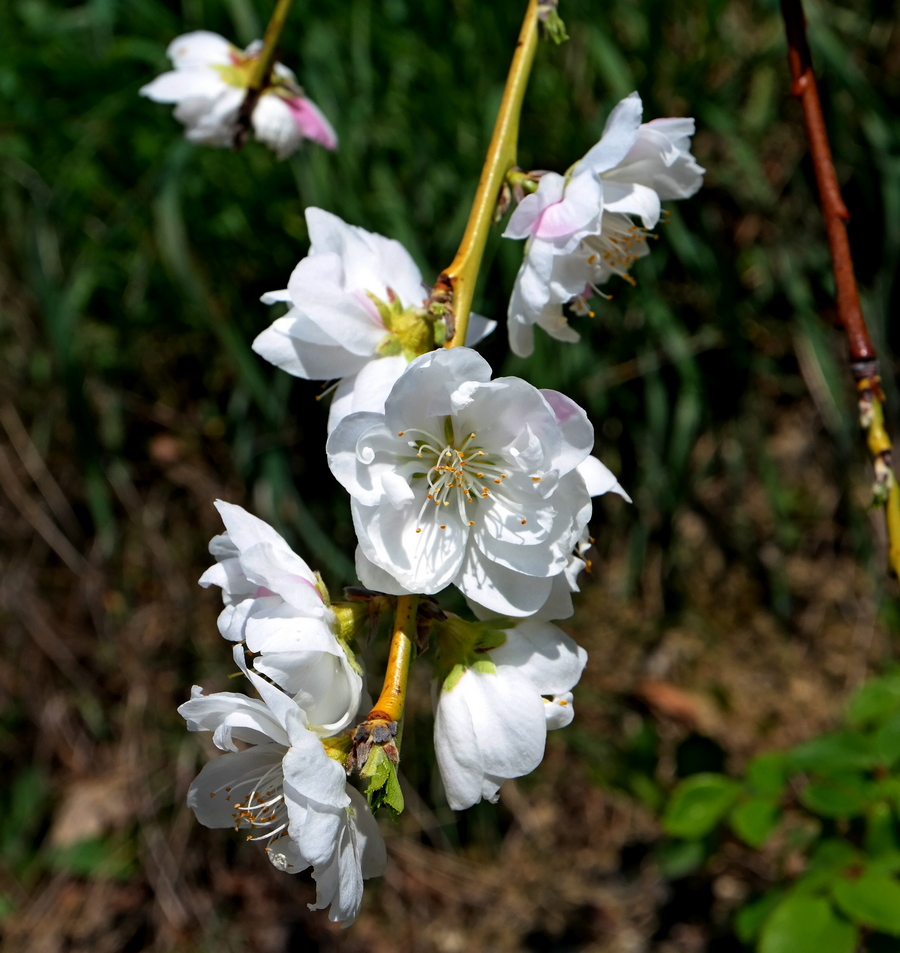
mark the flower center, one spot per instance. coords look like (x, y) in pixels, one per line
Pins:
(264, 807)
(618, 247)
(460, 473)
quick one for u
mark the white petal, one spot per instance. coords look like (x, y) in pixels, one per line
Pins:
(458, 756)
(544, 654)
(366, 391)
(499, 589)
(425, 387)
(559, 711)
(280, 345)
(200, 48)
(618, 137)
(599, 479)
(273, 124)
(177, 85)
(632, 199)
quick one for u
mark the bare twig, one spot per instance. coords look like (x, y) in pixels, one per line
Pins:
(863, 359)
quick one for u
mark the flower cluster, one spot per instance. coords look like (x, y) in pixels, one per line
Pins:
(456, 479)
(209, 84)
(579, 227)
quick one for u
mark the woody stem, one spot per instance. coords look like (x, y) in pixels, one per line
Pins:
(863, 359)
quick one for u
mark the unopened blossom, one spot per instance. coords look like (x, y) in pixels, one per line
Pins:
(579, 227)
(466, 481)
(278, 607)
(209, 84)
(284, 790)
(357, 315)
(497, 702)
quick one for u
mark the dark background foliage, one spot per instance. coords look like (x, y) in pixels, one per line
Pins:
(732, 607)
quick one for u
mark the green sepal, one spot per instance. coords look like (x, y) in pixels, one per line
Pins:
(554, 28)
(382, 784)
(349, 619)
(463, 645)
(338, 747)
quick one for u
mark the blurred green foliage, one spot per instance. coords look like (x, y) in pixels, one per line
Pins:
(833, 806)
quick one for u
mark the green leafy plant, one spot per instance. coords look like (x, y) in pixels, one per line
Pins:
(828, 812)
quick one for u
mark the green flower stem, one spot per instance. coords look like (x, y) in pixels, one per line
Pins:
(459, 279)
(262, 70)
(389, 706)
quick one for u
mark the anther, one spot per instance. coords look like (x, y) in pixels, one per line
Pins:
(471, 522)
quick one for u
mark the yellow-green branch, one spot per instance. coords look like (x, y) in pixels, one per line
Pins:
(459, 279)
(389, 706)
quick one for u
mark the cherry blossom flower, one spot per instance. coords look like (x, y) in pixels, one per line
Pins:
(468, 481)
(497, 702)
(284, 790)
(208, 86)
(356, 314)
(278, 607)
(578, 226)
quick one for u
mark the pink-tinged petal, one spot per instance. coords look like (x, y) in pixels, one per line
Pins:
(632, 199)
(599, 479)
(311, 122)
(576, 215)
(577, 431)
(524, 220)
(273, 125)
(618, 137)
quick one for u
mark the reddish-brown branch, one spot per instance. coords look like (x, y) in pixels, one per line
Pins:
(862, 353)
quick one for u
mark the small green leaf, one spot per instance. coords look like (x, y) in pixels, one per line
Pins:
(881, 830)
(382, 784)
(767, 774)
(803, 924)
(845, 795)
(754, 820)
(872, 900)
(698, 804)
(749, 919)
(887, 740)
(680, 857)
(829, 861)
(836, 752)
(877, 698)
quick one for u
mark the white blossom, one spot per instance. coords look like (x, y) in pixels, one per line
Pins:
(285, 790)
(494, 708)
(468, 481)
(356, 315)
(579, 227)
(277, 605)
(208, 86)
